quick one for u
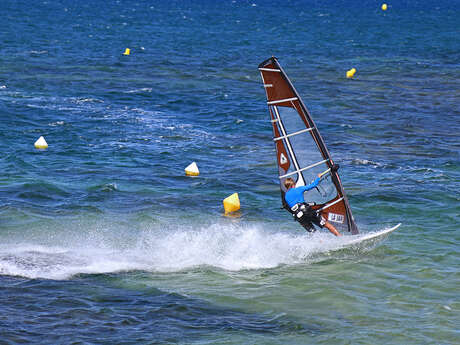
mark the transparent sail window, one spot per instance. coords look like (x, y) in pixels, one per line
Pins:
(306, 154)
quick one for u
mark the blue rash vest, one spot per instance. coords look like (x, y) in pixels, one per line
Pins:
(295, 195)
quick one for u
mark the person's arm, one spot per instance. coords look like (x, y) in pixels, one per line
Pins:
(313, 184)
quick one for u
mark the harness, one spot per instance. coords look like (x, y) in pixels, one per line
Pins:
(301, 207)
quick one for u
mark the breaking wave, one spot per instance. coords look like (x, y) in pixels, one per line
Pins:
(224, 246)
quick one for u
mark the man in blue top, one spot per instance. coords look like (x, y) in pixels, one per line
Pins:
(303, 212)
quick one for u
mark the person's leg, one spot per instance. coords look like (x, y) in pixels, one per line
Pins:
(307, 225)
(305, 221)
(332, 229)
(322, 222)
(302, 216)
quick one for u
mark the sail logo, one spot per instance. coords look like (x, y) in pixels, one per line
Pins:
(336, 218)
(283, 159)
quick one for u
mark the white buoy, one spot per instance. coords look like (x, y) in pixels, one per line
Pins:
(192, 170)
(41, 143)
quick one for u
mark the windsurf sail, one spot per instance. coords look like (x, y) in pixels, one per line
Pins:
(300, 150)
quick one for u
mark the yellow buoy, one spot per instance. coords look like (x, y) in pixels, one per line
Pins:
(127, 51)
(384, 7)
(192, 170)
(231, 203)
(41, 144)
(351, 73)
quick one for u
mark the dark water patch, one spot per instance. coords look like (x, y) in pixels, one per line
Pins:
(39, 192)
(110, 314)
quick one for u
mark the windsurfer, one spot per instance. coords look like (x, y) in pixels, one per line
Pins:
(303, 212)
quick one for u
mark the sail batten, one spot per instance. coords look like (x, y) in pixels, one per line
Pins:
(292, 134)
(301, 151)
(331, 204)
(282, 100)
(269, 70)
(303, 169)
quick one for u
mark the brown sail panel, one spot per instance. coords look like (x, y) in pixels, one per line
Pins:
(300, 150)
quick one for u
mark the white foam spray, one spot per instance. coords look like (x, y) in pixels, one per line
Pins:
(230, 247)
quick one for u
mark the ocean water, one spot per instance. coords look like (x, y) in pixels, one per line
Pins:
(104, 240)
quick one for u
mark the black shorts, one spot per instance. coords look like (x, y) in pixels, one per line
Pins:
(306, 216)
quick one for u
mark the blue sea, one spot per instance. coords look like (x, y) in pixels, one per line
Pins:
(104, 240)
